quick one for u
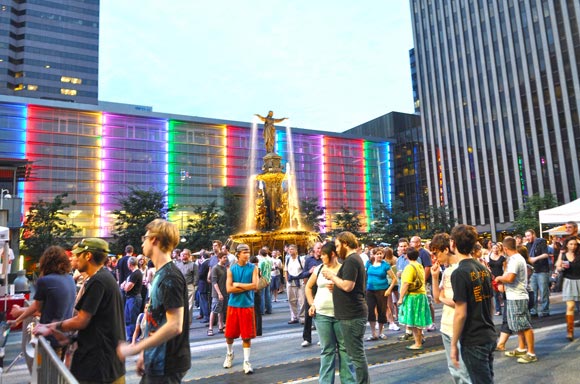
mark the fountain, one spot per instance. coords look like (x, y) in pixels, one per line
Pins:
(272, 205)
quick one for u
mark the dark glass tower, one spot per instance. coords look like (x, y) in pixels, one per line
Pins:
(50, 49)
(498, 84)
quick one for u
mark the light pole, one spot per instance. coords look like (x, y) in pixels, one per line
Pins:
(4, 194)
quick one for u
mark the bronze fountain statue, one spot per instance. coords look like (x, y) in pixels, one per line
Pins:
(276, 218)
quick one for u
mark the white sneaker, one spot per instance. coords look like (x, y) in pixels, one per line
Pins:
(306, 343)
(229, 360)
(394, 327)
(248, 368)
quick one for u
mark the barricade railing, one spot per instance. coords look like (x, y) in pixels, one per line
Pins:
(48, 367)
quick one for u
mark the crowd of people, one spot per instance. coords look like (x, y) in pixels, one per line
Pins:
(96, 310)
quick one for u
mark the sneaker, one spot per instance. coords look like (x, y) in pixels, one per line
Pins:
(229, 360)
(431, 328)
(394, 327)
(248, 368)
(516, 353)
(527, 358)
(306, 343)
(405, 337)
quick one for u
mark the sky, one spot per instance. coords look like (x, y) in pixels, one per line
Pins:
(325, 64)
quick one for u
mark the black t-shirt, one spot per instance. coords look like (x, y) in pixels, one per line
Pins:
(471, 283)
(123, 268)
(537, 248)
(351, 305)
(202, 284)
(168, 291)
(96, 357)
(136, 277)
(496, 266)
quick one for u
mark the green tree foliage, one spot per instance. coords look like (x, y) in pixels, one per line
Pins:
(527, 217)
(436, 220)
(312, 213)
(138, 208)
(390, 223)
(347, 220)
(208, 224)
(232, 211)
(46, 224)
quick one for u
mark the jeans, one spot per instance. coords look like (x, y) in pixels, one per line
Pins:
(203, 301)
(459, 375)
(478, 360)
(353, 332)
(266, 306)
(330, 336)
(132, 308)
(540, 283)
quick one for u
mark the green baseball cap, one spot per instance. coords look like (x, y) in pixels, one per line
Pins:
(91, 245)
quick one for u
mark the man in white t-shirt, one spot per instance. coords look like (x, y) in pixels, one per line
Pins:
(515, 280)
(443, 293)
(294, 285)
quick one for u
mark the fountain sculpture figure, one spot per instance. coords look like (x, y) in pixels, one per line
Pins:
(272, 208)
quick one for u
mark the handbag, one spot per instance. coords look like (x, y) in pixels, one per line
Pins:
(262, 283)
(315, 287)
(417, 284)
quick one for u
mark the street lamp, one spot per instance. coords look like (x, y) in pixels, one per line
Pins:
(4, 194)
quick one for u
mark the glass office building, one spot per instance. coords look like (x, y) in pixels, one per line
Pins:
(498, 85)
(50, 49)
(97, 153)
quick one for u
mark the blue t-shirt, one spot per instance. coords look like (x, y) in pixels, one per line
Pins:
(168, 291)
(58, 294)
(242, 275)
(377, 276)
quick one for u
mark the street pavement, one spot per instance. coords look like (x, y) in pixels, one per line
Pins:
(277, 356)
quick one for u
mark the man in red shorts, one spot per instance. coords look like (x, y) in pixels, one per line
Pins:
(241, 282)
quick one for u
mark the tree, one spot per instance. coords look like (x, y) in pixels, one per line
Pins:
(138, 208)
(232, 210)
(312, 213)
(527, 217)
(390, 224)
(46, 224)
(208, 224)
(347, 220)
(437, 219)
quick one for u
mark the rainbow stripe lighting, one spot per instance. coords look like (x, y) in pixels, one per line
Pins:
(389, 176)
(367, 184)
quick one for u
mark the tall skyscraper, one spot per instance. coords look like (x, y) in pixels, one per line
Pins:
(499, 92)
(50, 49)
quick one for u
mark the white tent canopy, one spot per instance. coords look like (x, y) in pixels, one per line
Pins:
(561, 214)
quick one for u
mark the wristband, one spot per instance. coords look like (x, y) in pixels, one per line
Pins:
(59, 326)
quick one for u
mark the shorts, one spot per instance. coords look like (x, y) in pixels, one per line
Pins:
(518, 315)
(241, 323)
(217, 305)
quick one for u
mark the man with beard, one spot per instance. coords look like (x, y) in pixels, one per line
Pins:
(99, 320)
(350, 307)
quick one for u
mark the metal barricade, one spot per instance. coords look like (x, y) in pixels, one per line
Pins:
(48, 368)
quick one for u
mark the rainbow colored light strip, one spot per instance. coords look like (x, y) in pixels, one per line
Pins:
(329, 176)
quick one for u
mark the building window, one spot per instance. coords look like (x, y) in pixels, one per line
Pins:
(73, 80)
(70, 92)
(31, 87)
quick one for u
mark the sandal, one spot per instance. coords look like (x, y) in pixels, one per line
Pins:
(382, 336)
(210, 332)
(414, 348)
(372, 338)
(221, 330)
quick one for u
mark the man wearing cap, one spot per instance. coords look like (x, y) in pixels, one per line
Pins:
(241, 281)
(99, 320)
(164, 354)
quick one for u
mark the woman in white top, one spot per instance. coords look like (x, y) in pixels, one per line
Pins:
(322, 311)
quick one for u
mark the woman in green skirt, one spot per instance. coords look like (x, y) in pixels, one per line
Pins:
(413, 303)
